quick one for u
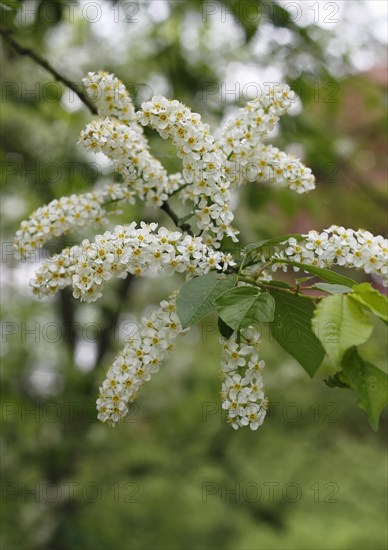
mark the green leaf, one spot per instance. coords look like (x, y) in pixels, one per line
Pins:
(338, 380)
(268, 242)
(332, 289)
(245, 306)
(324, 274)
(196, 298)
(372, 299)
(339, 323)
(292, 329)
(225, 330)
(369, 382)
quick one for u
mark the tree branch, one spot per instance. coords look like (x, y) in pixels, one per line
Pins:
(175, 218)
(7, 34)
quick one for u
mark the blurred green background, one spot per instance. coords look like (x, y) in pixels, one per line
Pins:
(175, 476)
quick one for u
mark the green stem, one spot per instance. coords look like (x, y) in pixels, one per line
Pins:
(260, 271)
(241, 266)
(266, 286)
(175, 218)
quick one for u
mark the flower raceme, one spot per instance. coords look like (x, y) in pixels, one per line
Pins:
(142, 173)
(247, 158)
(211, 170)
(138, 361)
(208, 188)
(338, 246)
(242, 383)
(143, 251)
(60, 216)
(110, 97)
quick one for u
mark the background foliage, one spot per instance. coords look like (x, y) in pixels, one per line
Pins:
(70, 482)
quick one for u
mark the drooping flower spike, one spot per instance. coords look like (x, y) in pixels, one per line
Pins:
(144, 252)
(339, 246)
(138, 361)
(248, 158)
(202, 164)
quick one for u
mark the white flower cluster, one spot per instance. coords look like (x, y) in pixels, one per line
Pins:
(248, 159)
(268, 164)
(142, 173)
(145, 251)
(56, 272)
(339, 246)
(242, 383)
(110, 96)
(202, 164)
(121, 138)
(62, 215)
(138, 361)
(254, 121)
